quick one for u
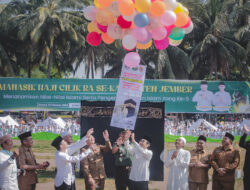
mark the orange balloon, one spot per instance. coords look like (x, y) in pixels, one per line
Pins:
(98, 5)
(105, 3)
(181, 19)
(92, 27)
(106, 39)
(104, 17)
(144, 46)
(157, 8)
(126, 7)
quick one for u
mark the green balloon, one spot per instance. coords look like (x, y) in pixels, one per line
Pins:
(177, 33)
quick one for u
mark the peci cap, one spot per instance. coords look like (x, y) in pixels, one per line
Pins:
(130, 101)
(56, 142)
(24, 135)
(203, 82)
(229, 135)
(203, 138)
(147, 138)
(221, 83)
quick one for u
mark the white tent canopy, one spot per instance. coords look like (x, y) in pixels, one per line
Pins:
(8, 119)
(205, 124)
(245, 122)
(59, 122)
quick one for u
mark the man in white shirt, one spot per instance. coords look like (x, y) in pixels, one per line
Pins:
(141, 156)
(178, 161)
(222, 99)
(64, 176)
(204, 98)
(8, 167)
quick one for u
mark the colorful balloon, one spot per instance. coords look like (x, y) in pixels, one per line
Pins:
(159, 33)
(140, 34)
(189, 29)
(114, 31)
(114, 9)
(144, 46)
(149, 38)
(102, 28)
(129, 42)
(170, 4)
(187, 24)
(132, 59)
(92, 27)
(105, 3)
(94, 39)
(179, 8)
(107, 39)
(168, 18)
(181, 19)
(161, 44)
(104, 17)
(157, 8)
(130, 17)
(142, 6)
(123, 23)
(174, 42)
(177, 33)
(141, 20)
(126, 7)
(90, 13)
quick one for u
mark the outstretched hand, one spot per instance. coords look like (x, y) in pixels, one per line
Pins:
(106, 135)
(89, 132)
(127, 135)
(246, 130)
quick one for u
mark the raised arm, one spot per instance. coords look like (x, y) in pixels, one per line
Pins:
(107, 147)
(71, 149)
(169, 162)
(73, 159)
(243, 143)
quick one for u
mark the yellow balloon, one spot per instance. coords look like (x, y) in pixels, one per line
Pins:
(185, 10)
(142, 6)
(144, 46)
(98, 5)
(92, 27)
(179, 8)
(174, 42)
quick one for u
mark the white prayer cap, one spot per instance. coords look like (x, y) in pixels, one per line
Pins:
(4, 138)
(65, 133)
(183, 139)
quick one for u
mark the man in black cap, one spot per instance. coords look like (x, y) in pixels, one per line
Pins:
(224, 160)
(199, 166)
(204, 98)
(65, 178)
(27, 161)
(139, 175)
(246, 145)
(222, 99)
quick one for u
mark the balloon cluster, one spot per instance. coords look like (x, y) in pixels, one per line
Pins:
(138, 23)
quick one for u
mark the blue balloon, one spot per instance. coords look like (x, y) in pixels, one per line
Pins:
(141, 20)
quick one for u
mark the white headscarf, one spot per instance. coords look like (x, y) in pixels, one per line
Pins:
(183, 140)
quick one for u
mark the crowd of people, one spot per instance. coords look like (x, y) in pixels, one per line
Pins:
(184, 128)
(188, 169)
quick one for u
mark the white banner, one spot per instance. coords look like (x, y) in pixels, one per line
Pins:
(128, 97)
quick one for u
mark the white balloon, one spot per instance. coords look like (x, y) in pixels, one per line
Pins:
(170, 4)
(129, 42)
(130, 17)
(114, 8)
(90, 13)
(189, 29)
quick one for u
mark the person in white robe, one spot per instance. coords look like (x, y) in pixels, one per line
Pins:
(177, 161)
(8, 166)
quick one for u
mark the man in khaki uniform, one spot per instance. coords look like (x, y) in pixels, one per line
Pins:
(199, 166)
(27, 161)
(93, 165)
(224, 160)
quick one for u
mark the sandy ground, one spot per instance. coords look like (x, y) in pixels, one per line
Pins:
(47, 183)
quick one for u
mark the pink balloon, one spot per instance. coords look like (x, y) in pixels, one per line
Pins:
(149, 37)
(140, 34)
(114, 31)
(132, 59)
(168, 18)
(169, 28)
(159, 33)
(161, 44)
(102, 28)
